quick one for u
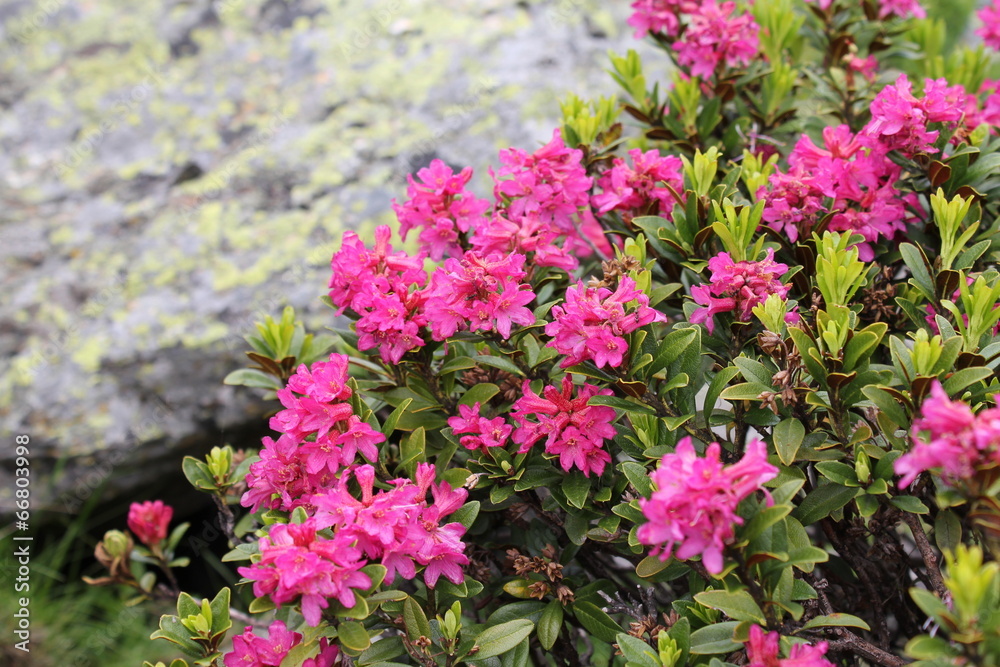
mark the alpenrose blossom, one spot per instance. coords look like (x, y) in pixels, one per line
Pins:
(249, 650)
(296, 563)
(951, 440)
(573, 430)
(715, 39)
(738, 287)
(483, 433)
(692, 511)
(990, 30)
(398, 527)
(149, 521)
(478, 293)
(441, 207)
(651, 186)
(657, 16)
(762, 651)
(592, 322)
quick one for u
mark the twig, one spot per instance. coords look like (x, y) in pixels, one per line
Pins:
(927, 553)
(851, 642)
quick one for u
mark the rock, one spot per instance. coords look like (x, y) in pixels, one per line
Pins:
(173, 172)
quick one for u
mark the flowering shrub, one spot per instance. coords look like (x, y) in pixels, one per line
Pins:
(713, 386)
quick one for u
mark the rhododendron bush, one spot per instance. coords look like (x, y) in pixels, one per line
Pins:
(709, 378)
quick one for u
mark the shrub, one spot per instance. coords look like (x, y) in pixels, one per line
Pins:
(710, 385)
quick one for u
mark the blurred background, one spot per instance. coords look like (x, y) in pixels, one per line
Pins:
(172, 172)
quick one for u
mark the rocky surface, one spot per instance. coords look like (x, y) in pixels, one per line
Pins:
(170, 172)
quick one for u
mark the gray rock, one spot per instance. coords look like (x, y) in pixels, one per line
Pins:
(171, 172)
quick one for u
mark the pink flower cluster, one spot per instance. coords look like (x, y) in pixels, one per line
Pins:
(858, 186)
(376, 285)
(297, 564)
(901, 9)
(441, 207)
(320, 436)
(738, 287)
(990, 30)
(249, 650)
(900, 120)
(637, 190)
(398, 527)
(483, 433)
(542, 197)
(694, 505)
(956, 442)
(479, 294)
(762, 651)
(573, 430)
(591, 323)
(149, 521)
(711, 38)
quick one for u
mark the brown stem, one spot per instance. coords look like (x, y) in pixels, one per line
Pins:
(858, 646)
(226, 520)
(927, 553)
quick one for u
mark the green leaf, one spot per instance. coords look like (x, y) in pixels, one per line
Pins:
(966, 377)
(220, 612)
(172, 630)
(502, 363)
(502, 638)
(637, 652)
(753, 371)
(834, 621)
(671, 347)
(621, 404)
(577, 524)
(198, 474)
(713, 639)
(458, 364)
(947, 530)
(466, 514)
(390, 422)
(526, 609)
(788, 436)
(745, 391)
(415, 620)
(909, 504)
(638, 477)
(650, 566)
(353, 636)
(719, 382)
(596, 621)
(382, 650)
(480, 393)
(919, 267)
(260, 605)
(739, 605)
(550, 624)
(252, 377)
(822, 501)
(577, 488)
(885, 402)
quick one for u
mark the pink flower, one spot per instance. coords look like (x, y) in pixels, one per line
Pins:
(592, 322)
(573, 430)
(398, 527)
(485, 433)
(540, 197)
(693, 509)
(738, 287)
(249, 650)
(441, 207)
(715, 39)
(899, 122)
(354, 267)
(297, 564)
(637, 191)
(990, 30)
(762, 651)
(657, 16)
(149, 521)
(479, 294)
(901, 8)
(955, 442)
